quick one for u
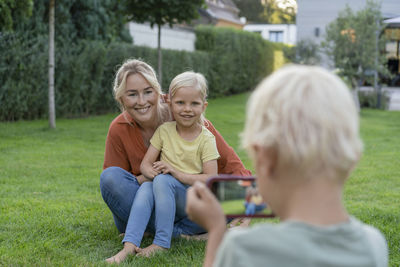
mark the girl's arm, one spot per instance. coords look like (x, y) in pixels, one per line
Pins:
(210, 168)
(146, 167)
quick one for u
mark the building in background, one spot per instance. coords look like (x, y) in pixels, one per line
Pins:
(220, 13)
(176, 38)
(314, 15)
(278, 33)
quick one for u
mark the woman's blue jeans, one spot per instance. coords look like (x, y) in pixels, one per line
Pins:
(157, 207)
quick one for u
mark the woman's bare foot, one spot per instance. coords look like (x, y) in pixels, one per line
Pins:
(149, 251)
(129, 249)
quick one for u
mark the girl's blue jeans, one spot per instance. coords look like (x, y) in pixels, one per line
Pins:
(157, 207)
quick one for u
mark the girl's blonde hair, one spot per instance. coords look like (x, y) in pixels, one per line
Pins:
(135, 66)
(308, 116)
(191, 79)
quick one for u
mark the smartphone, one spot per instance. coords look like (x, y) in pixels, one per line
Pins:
(239, 196)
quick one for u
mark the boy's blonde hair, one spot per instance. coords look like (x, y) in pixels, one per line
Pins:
(135, 66)
(191, 79)
(307, 115)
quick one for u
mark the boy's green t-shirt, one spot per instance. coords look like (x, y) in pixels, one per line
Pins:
(294, 243)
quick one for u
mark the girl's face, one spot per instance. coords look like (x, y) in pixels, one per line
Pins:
(187, 105)
(140, 99)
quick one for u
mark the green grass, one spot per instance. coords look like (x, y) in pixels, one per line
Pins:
(52, 213)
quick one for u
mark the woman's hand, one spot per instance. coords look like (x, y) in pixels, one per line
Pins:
(203, 208)
(163, 167)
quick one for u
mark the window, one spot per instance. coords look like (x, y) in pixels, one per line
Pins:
(276, 36)
(316, 32)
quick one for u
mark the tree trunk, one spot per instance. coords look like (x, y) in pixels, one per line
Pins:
(52, 112)
(159, 56)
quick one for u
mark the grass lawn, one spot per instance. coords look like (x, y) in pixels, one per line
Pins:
(52, 213)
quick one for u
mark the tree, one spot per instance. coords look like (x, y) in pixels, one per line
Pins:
(267, 11)
(278, 12)
(305, 52)
(251, 9)
(52, 109)
(161, 12)
(12, 11)
(354, 43)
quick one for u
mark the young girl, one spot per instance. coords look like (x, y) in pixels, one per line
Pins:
(187, 152)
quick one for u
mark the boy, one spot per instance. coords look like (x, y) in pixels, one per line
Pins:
(302, 131)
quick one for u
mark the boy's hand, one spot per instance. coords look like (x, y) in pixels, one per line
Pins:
(163, 167)
(203, 208)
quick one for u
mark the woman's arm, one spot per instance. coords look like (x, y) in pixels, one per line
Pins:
(229, 162)
(209, 169)
(146, 167)
(115, 154)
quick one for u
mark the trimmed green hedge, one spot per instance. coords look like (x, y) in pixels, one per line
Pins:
(84, 74)
(233, 61)
(239, 59)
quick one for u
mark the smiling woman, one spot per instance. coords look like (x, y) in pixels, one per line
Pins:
(126, 191)
(140, 99)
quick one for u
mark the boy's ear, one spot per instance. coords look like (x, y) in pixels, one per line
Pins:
(265, 160)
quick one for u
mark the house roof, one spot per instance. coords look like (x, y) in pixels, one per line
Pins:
(393, 22)
(223, 10)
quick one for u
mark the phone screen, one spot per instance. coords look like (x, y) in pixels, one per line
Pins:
(239, 196)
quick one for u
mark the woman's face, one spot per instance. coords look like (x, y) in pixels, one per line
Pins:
(140, 99)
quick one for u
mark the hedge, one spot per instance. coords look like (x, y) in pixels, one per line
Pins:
(239, 59)
(233, 61)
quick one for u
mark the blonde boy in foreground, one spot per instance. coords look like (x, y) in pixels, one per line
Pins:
(302, 131)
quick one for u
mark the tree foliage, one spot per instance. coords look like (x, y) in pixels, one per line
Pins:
(354, 43)
(274, 14)
(12, 11)
(305, 52)
(268, 11)
(161, 12)
(77, 19)
(251, 9)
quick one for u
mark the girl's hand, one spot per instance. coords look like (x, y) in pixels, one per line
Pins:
(163, 167)
(203, 208)
(141, 179)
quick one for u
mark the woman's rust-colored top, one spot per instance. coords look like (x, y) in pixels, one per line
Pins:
(125, 148)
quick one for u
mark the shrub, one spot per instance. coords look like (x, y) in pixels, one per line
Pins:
(239, 59)
(23, 93)
(84, 74)
(233, 61)
(369, 99)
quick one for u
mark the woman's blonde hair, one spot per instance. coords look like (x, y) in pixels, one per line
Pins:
(135, 66)
(308, 116)
(191, 79)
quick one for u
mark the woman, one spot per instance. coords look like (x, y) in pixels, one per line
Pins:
(139, 95)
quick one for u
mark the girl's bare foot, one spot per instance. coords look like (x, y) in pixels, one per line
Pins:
(149, 251)
(242, 222)
(201, 237)
(129, 249)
